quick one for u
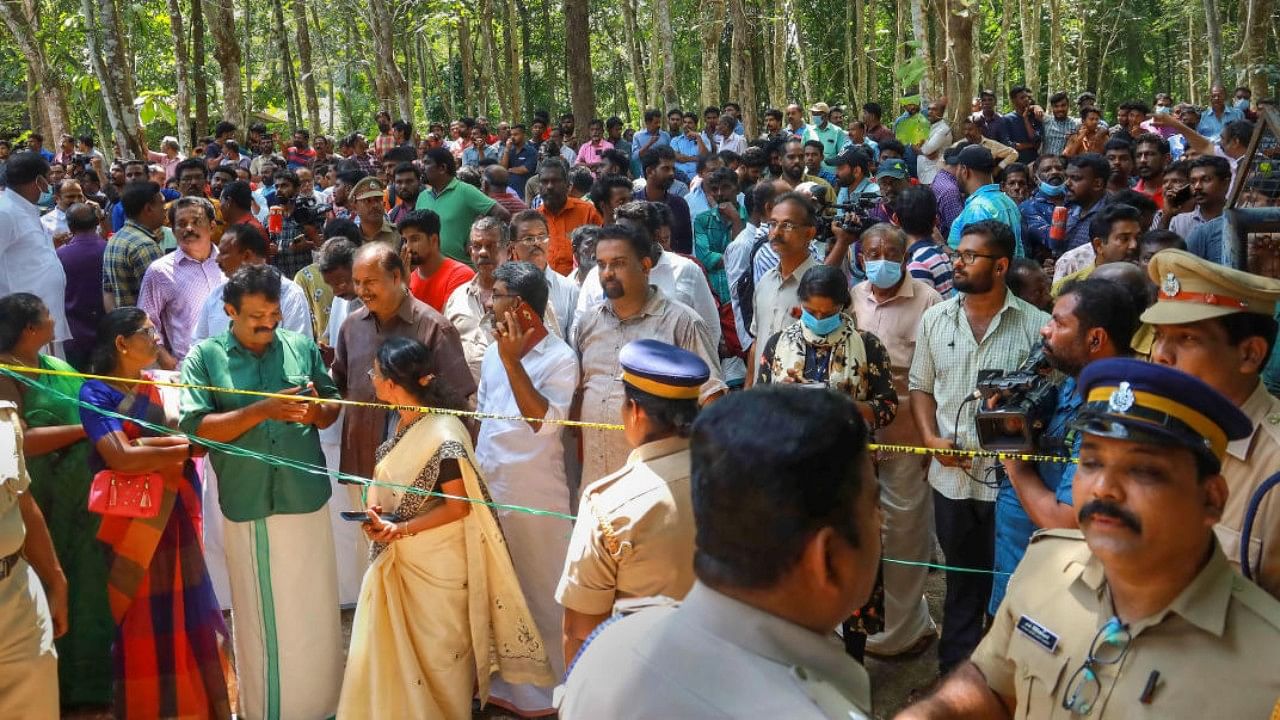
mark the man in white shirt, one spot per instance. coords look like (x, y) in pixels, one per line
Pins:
(244, 244)
(677, 276)
(28, 262)
(929, 157)
(523, 460)
(65, 194)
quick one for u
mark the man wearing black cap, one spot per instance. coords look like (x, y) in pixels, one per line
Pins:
(985, 200)
(1146, 615)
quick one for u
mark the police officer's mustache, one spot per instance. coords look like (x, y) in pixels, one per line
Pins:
(1109, 509)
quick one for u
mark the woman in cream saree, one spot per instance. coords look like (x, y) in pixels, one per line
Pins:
(440, 610)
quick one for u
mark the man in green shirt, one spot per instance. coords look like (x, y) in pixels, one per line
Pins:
(457, 203)
(834, 140)
(277, 533)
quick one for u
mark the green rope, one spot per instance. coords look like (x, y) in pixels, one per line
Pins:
(364, 483)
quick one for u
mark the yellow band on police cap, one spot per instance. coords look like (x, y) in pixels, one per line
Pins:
(662, 390)
(1194, 419)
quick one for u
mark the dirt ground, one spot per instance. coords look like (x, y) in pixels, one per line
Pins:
(892, 681)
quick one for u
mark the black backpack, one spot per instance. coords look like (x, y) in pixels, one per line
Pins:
(746, 285)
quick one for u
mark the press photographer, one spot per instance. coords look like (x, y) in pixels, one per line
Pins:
(859, 205)
(1092, 319)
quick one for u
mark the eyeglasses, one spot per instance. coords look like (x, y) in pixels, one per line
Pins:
(785, 226)
(508, 296)
(970, 257)
(535, 240)
(150, 332)
(1108, 648)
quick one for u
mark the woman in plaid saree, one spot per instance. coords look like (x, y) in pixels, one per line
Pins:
(168, 656)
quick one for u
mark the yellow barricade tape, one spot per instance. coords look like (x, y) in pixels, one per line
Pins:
(875, 447)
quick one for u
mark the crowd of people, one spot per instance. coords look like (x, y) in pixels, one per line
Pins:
(174, 329)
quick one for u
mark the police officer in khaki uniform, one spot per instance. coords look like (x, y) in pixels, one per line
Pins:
(634, 533)
(1219, 324)
(28, 661)
(788, 542)
(1145, 618)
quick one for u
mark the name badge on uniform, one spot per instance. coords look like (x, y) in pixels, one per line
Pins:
(1039, 634)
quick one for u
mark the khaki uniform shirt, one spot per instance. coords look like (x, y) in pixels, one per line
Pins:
(1216, 647)
(14, 481)
(634, 533)
(1249, 462)
(713, 657)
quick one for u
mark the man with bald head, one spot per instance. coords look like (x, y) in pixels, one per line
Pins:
(390, 310)
(65, 194)
(494, 184)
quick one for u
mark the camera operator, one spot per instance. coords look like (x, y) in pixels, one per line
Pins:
(985, 327)
(1091, 320)
(858, 195)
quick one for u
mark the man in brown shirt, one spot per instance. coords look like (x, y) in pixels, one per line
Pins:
(633, 310)
(893, 315)
(389, 311)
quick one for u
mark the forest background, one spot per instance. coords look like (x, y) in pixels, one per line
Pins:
(176, 67)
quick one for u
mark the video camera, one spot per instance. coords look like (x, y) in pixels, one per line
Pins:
(309, 211)
(855, 218)
(1016, 406)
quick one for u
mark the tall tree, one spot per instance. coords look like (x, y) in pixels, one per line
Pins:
(1057, 48)
(959, 58)
(1252, 55)
(582, 95)
(469, 94)
(664, 63)
(305, 66)
(21, 18)
(1029, 21)
(920, 32)
(227, 51)
(489, 61)
(511, 52)
(292, 106)
(631, 35)
(200, 81)
(383, 26)
(183, 111)
(1214, 27)
(742, 71)
(710, 32)
(109, 57)
(778, 60)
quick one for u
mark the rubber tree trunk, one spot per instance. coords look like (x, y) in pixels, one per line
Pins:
(226, 50)
(712, 29)
(183, 111)
(50, 94)
(582, 96)
(305, 65)
(630, 34)
(742, 70)
(199, 81)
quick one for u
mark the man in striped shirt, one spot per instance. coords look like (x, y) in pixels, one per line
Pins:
(915, 210)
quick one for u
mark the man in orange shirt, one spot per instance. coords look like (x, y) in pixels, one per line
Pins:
(563, 213)
(433, 276)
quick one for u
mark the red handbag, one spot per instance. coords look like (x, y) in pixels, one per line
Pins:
(136, 495)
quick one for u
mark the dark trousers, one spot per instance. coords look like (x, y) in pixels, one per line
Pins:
(966, 532)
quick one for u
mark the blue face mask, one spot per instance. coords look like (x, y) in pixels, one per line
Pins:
(46, 198)
(884, 274)
(1164, 110)
(1052, 190)
(818, 119)
(823, 327)
(1242, 103)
